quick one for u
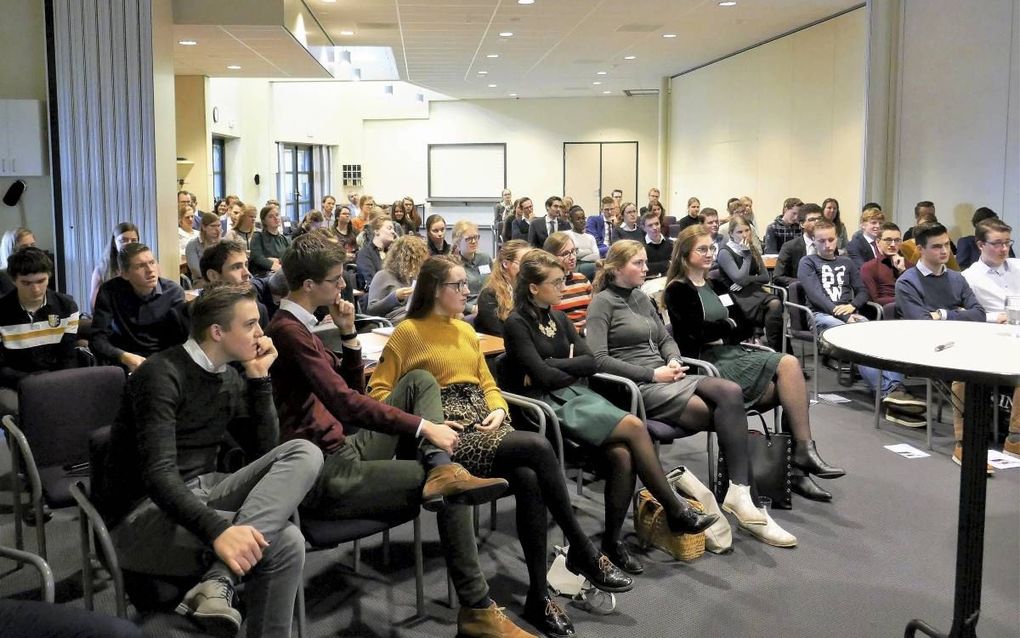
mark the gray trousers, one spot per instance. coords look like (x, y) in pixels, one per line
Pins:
(263, 494)
(363, 480)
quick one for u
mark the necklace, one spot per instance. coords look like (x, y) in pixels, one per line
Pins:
(548, 328)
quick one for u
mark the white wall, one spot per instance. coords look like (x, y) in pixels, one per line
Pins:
(780, 120)
(534, 130)
(957, 118)
(245, 110)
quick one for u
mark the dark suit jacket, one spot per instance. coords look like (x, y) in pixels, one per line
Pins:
(859, 250)
(790, 254)
(539, 231)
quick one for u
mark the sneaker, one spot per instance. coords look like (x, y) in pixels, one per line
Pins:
(900, 397)
(451, 483)
(1012, 445)
(958, 459)
(211, 604)
(491, 622)
(904, 419)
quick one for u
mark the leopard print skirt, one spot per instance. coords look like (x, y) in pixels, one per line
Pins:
(465, 403)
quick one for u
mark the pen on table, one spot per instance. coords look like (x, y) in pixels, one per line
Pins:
(944, 346)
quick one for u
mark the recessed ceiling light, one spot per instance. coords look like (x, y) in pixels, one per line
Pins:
(234, 67)
(346, 33)
(187, 43)
(601, 72)
(606, 92)
(669, 35)
(525, 1)
(596, 83)
(483, 73)
(513, 95)
(329, 1)
(492, 86)
(630, 57)
(492, 55)
(506, 34)
(729, 3)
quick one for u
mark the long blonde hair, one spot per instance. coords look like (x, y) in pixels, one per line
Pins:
(405, 257)
(499, 281)
(619, 255)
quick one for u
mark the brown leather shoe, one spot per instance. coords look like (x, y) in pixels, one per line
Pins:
(453, 484)
(491, 622)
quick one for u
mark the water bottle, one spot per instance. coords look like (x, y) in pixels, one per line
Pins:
(1013, 313)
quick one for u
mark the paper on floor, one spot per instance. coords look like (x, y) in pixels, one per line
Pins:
(907, 451)
(833, 398)
(1001, 461)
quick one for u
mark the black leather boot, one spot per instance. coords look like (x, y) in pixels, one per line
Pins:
(548, 617)
(804, 486)
(806, 457)
(619, 553)
(599, 570)
(690, 521)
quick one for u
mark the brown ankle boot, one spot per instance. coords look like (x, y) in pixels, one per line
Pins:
(451, 483)
(490, 622)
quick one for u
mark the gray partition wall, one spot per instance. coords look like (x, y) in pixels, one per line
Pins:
(101, 124)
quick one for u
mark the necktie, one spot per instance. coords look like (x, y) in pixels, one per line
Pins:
(874, 248)
(552, 228)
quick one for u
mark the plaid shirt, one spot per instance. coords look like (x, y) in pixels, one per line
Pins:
(778, 233)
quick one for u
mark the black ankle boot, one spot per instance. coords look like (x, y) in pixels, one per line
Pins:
(548, 617)
(690, 521)
(806, 457)
(619, 553)
(804, 486)
(598, 569)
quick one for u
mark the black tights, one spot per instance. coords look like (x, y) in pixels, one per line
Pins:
(629, 454)
(528, 462)
(774, 324)
(718, 405)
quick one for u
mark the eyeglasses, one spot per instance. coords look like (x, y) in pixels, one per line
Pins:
(1005, 243)
(461, 285)
(567, 253)
(472, 238)
(704, 250)
(333, 281)
(559, 282)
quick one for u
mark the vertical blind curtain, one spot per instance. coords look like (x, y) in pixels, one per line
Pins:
(103, 95)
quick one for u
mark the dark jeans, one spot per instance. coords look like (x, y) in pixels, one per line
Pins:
(34, 619)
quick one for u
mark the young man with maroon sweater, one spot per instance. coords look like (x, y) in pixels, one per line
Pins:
(320, 394)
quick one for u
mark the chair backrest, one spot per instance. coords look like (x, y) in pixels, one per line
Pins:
(889, 311)
(795, 294)
(674, 230)
(58, 411)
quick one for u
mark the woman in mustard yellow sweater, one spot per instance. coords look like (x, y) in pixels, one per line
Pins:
(432, 338)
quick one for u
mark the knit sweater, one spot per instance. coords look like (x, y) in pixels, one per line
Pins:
(446, 348)
(382, 297)
(917, 296)
(626, 334)
(831, 282)
(37, 341)
(123, 321)
(173, 418)
(659, 256)
(263, 246)
(879, 277)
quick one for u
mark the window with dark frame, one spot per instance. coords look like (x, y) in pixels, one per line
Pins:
(298, 181)
(219, 176)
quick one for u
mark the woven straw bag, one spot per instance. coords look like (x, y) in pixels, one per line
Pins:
(652, 530)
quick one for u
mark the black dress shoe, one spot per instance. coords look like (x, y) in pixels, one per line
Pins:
(804, 486)
(600, 571)
(548, 617)
(619, 553)
(806, 457)
(690, 521)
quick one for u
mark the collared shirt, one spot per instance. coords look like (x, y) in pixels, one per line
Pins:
(302, 315)
(201, 358)
(992, 286)
(809, 245)
(648, 239)
(925, 272)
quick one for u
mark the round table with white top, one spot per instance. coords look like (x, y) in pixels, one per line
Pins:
(983, 355)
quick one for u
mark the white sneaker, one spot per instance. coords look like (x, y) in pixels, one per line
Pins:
(771, 533)
(738, 502)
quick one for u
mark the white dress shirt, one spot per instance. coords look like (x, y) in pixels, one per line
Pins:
(991, 286)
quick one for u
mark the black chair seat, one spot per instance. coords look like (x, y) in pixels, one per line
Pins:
(330, 533)
(664, 432)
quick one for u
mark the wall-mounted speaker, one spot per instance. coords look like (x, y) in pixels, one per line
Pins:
(258, 180)
(14, 193)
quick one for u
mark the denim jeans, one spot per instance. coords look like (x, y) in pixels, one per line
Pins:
(872, 377)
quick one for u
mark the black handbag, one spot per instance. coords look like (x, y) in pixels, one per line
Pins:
(770, 456)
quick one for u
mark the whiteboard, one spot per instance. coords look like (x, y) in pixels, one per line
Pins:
(467, 170)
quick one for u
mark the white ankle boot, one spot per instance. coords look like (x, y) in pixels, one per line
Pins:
(738, 502)
(770, 533)
(719, 536)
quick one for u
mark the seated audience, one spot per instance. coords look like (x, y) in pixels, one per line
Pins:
(656, 207)
(366, 208)
(342, 227)
(477, 265)
(226, 262)
(328, 207)
(692, 217)
(968, 252)
(792, 252)
(587, 249)
(835, 294)
(497, 297)
(576, 294)
(702, 328)
(38, 326)
(629, 225)
(880, 274)
(742, 272)
(601, 226)
(405, 216)
(186, 230)
(784, 227)
(313, 220)
(208, 236)
(391, 287)
(503, 209)
(627, 337)
(435, 227)
(658, 247)
(830, 210)
(319, 394)
(170, 513)
(12, 241)
(434, 340)
(709, 218)
(373, 252)
(863, 246)
(243, 229)
(138, 313)
(516, 226)
(108, 267)
(548, 361)
(542, 227)
(993, 278)
(268, 244)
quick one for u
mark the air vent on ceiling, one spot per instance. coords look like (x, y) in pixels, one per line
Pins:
(377, 26)
(638, 28)
(640, 92)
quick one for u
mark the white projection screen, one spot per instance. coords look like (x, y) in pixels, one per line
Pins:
(467, 170)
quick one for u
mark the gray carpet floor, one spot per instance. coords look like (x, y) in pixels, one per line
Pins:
(881, 553)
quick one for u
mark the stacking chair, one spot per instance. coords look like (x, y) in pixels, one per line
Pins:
(50, 442)
(28, 558)
(801, 327)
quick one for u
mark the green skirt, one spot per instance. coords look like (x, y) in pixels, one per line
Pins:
(752, 370)
(583, 414)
